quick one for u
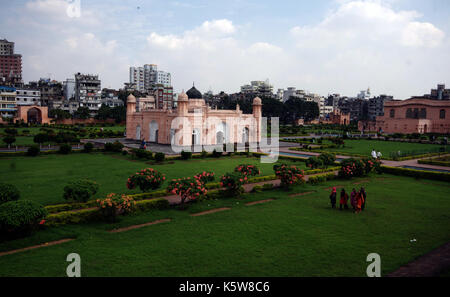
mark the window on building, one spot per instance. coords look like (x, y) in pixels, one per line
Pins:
(423, 113)
(442, 114)
(392, 113)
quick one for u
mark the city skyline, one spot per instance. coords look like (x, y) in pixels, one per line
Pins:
(397, 47)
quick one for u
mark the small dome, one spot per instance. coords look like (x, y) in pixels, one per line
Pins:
(193, 93)
(257, 101)
(131, 99)
(182, 96)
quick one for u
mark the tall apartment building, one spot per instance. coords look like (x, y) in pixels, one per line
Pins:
(28, 96)
(440, 93)
(376, 106)
(69, 89)
(258, 88)
(10, 64)
(148, 76)
(163, 96)
(51, 91)
(88, 92)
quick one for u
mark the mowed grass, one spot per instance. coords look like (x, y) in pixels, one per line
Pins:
(290, 236)
(364, 147)
(43, 178)
(28, 140)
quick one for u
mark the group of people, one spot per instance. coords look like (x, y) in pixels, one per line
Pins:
(376, 155)
(357, 199)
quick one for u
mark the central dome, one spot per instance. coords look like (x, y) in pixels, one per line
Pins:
(193, 93)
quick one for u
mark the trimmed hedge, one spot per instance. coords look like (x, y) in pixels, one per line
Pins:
(89, 215)
(320, 178)
(441, 176)
(435, 162)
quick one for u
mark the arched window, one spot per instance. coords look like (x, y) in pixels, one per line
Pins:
(392, 113)
(442, 114)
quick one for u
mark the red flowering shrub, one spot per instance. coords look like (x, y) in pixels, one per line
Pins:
(288, 175)
(187, 187)
(352, 168)
(233, 182)
(114, 205)
(247, 170)
(371, 164)
(205, 177)
(146, 179)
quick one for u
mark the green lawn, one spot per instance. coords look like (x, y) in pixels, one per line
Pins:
(43, 178)
(364, 147)
(291, 236)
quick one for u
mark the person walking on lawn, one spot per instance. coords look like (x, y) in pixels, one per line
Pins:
(353, 199)
(344, 200)
(364, 196)
(333, 198)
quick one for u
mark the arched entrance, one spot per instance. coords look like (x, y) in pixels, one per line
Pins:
(245, 135)
(34, 116)
(153, 131)
(221, 133)
(138, 132)
(425, 128)
(195, 137)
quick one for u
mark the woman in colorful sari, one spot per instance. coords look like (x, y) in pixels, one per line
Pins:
(353, 199)
(359, 202)
(333, 198)
(363, 195)
(343, 201)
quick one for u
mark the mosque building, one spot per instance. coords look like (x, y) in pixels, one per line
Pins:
(193, 122)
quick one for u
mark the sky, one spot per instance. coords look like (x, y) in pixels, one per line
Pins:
(395, 47)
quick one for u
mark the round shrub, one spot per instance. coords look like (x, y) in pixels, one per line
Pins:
(114, 147)
(147, 179)
(41, 138)
(9, 139)
(327, 159)
(352, 168)
(114, 205)
(247, 170)
(21, 216)
(159, 157)
(314, 162)
(88, 147)
(8, 193)
(205, 177)
(80, 190)
(33, 151)
(65, 149)
(186, 155)
(233, 183)
(187, 188)
(288, 175)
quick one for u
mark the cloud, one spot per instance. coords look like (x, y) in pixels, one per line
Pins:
(367, 43)
(355, 45)
(212, 55)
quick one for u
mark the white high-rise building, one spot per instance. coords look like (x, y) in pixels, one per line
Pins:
(145, 77)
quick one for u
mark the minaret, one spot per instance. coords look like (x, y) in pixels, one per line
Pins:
(257, 114)
(182, 103)
(131, 109)
(131, 104)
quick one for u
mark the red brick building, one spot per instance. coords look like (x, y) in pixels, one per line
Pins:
(10, 63)
(412, 116)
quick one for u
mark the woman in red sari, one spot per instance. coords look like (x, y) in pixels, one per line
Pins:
(359, 202)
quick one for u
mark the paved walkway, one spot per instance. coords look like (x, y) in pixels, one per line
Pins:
(431, 264)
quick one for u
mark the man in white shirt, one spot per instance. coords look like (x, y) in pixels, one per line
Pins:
(374, 154)
(379, 155)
